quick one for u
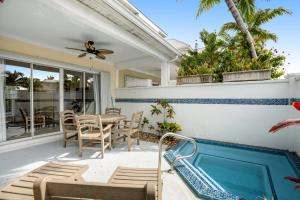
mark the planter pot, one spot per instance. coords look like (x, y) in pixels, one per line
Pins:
(252, 75)
(195, 79)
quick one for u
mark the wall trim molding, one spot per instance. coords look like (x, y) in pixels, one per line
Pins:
(230, 101)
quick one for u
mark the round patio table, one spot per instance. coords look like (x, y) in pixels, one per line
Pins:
(112, 118)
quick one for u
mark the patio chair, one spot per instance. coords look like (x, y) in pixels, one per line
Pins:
(113, 111)
(68, 124)
(129, 128)
(90, 129)
(39, 119)
(46, 189)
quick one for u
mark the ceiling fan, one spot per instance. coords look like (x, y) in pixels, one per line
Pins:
(90, 49)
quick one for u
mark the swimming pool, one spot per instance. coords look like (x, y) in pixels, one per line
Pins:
(229, 171)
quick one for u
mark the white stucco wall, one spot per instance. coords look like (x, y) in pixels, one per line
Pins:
(245, 124)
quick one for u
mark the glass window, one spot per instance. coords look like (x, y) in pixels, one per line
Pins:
(73, 91)
(17, 99)
(45, 99)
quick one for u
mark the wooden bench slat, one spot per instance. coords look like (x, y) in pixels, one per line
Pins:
(58, 169)
(135, 178)
(28, 179)
(11, 196)
(53, 173)
(136, 174)
(23, 184)
(18, 190)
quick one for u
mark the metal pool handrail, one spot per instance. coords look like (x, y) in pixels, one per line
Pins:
(177, 158)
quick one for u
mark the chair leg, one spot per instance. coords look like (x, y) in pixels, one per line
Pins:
(109, 140)
(129, 143)
(138, 138)
(80, 147)
(65, 141)
(102, 148)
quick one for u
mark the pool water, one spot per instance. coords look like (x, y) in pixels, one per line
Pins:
(244, 179)
(244, 173)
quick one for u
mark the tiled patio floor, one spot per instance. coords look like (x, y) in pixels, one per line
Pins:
(17, 163)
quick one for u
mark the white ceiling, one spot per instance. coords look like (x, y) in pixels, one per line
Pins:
(33, 20)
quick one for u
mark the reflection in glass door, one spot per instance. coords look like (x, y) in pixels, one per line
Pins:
(73, 91)
(90, 100)
(45, 99)
(17, 99)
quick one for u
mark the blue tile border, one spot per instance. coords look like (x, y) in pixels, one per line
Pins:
(198, 186)
(230, 101)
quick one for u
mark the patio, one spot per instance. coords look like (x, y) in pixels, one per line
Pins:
(16, 163)
(44, 72)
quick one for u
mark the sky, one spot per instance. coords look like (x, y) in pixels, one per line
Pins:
(178, 19)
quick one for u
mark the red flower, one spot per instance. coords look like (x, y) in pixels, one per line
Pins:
(296, 105)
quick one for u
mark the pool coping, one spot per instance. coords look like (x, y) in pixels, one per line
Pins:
(197, 185)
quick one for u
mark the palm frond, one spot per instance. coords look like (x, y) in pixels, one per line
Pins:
(206, 5)
(246, 8)
(265, 15)
(263, 35)
(230, 26)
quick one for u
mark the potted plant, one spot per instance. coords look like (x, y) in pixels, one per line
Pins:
(198, 66)
(195, 75)
(165, 109)
(238, 67)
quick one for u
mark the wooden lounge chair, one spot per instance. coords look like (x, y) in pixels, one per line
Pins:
(138, 177)
(129, 128)
(68, 123)
(91, 132)
(22, 188)
(116, 111)
(46, 189)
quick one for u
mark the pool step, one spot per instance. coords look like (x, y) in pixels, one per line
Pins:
(209, 182)
(198, 180)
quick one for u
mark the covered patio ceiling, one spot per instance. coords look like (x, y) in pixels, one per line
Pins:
(57, 24)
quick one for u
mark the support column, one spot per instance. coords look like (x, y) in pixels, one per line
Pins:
(2, 102)
(117, 78)
(165, 73)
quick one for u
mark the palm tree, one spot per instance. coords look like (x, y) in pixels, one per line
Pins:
(13, 78)
(254, 23)
(246, 6)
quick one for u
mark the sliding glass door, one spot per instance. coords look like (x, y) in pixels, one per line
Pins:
(30, 97)
(17, 99)
(45, 99)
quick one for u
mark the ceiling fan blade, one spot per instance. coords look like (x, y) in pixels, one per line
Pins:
(100, 56)
(75, 49)
(81, 55)
(105, 51)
